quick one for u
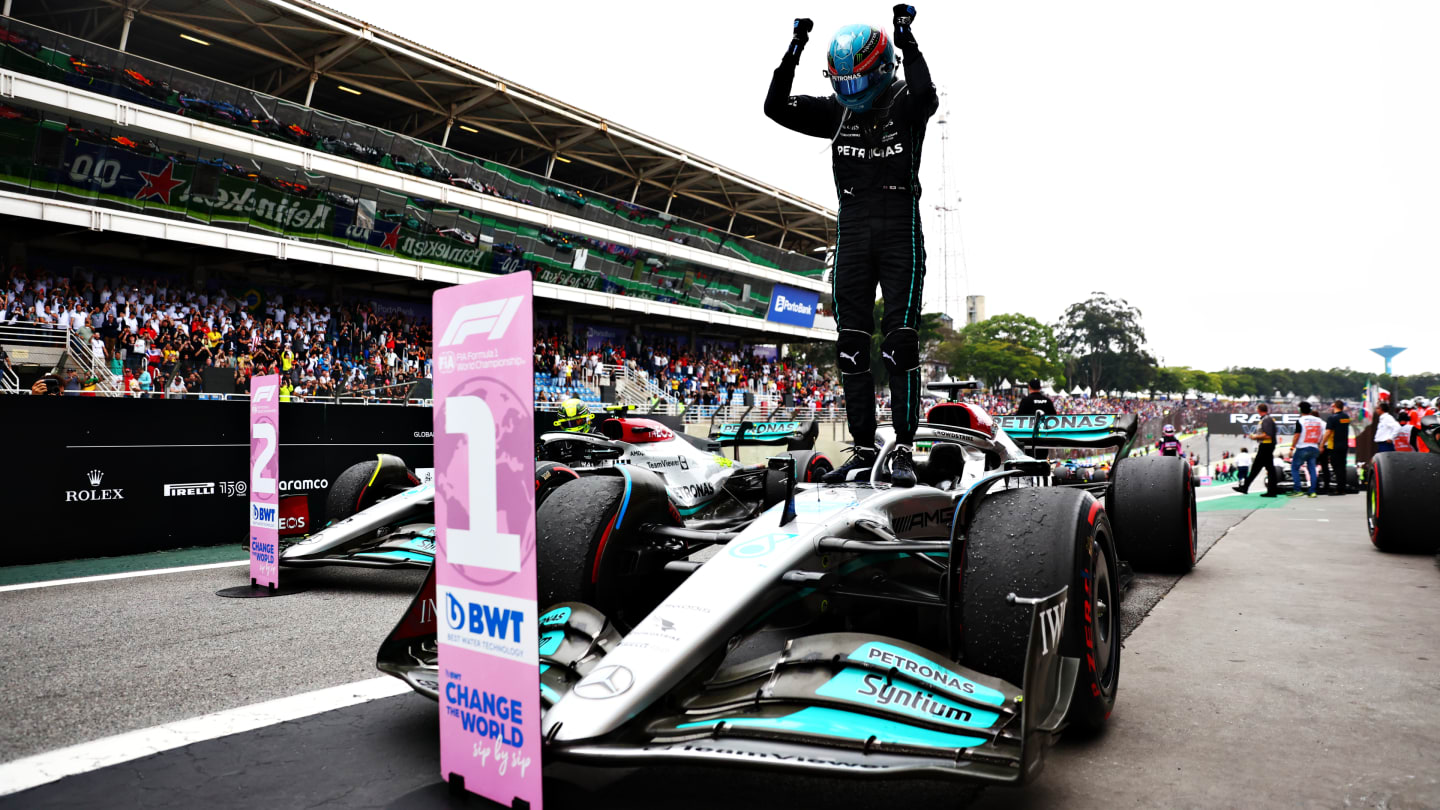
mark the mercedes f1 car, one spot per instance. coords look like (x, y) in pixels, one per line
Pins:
(954, 628)
(379, 514)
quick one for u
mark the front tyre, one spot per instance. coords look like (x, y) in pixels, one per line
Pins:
(588, 549)
(1032, 542)
(1401, 507)
(1151, 502)
(363, 485)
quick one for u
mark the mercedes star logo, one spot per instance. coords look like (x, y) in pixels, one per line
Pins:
(605, 682)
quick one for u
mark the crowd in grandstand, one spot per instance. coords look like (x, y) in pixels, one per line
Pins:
(156, 339)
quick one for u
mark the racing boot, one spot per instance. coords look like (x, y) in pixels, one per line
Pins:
(902, 466)
(856, 469)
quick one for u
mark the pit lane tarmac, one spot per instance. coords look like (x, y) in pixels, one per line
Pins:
(1243, 686)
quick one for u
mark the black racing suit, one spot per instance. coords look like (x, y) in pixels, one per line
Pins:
(876, 159)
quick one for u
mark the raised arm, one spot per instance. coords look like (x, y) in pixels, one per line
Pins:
(924, 101)
(809, 115)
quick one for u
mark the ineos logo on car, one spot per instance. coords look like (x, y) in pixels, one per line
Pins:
(605, 682)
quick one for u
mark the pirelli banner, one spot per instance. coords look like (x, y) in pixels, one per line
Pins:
(91, 477)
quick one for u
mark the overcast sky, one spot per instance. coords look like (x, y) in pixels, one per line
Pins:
(1261, 178)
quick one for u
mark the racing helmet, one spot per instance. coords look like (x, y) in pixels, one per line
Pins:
(574, 416)
(1168, 430)
(861, 65)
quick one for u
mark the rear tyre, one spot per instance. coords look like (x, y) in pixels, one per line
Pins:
(1151, 502)
(1401, 506)
(362, 486)
(1032, 542)
(810, 466)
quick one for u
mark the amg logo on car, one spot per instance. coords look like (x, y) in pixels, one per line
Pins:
(922, 520)
(176, 490)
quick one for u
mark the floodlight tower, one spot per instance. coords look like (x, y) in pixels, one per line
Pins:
(1388, 352)
(950, 234)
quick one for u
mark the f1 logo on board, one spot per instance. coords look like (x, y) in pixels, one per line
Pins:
(490, 318)
(265, 393)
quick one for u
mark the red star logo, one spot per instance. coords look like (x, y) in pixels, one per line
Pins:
(391, 240)
(159, 185)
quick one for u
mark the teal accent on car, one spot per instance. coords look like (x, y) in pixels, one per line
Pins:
(1079, 427)
(848, 725)
(550, 642)
(880, 654)
(399, 554)
(871, 689)
(556, 616)
(758, 431)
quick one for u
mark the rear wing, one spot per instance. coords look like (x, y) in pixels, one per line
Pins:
(1091, 430)
(795, 434)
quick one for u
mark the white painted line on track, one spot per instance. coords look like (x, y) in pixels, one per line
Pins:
(149, 572)
(1218, 497)
(23, 774)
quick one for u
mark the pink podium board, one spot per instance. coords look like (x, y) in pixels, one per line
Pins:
(485, 529)
(265, 480)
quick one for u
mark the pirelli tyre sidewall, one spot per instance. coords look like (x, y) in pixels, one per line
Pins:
(362, 486)
(1151, 501)
(1401, 503)
(549, 475)
(810, 465)
(1032, 542)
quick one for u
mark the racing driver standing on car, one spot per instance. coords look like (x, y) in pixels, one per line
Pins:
(876, 127)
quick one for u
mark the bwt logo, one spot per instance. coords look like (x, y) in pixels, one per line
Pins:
(783, 304)
(486, 317)
(480, 619)
(264, 516)
(265, 393)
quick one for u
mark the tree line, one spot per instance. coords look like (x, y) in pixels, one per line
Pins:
(1100, 344)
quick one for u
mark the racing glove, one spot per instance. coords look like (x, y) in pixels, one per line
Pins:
(904, 15)
(801, 29)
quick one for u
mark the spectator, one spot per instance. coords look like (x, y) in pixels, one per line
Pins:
(1309, 434)
(1337, 447)
(1036, 402)
(146, 382)
(1386, 428)
(1242, 464)
(1264, 455)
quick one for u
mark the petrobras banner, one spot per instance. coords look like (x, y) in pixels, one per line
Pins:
(793, 306)
(265, 480)
(485, 530)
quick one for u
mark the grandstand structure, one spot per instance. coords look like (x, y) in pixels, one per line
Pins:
(281, 145)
